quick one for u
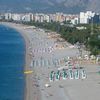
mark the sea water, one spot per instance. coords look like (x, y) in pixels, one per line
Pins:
(12, 61)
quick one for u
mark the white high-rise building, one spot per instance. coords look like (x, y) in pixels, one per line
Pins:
(37, 18)
(8, 16)
(47, 18)
(75, 21)
(41, 18)
(16, 17)
(85, 17)
(27, 17)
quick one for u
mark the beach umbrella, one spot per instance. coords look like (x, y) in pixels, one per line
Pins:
(65, 59)
(58, 75)
(51, 77)
(32, 63)
(70, 65)
(71, 74)
(83, 73)
(64, 74)
(76, 74)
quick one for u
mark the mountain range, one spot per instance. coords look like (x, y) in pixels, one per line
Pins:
(49, 6)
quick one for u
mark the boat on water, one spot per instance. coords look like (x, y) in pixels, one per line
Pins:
(28, 72)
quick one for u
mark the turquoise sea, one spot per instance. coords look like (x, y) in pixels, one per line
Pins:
(12, 61)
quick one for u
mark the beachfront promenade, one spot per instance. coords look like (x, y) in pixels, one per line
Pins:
(45, 54)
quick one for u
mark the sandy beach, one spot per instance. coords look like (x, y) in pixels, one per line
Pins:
(44, 54)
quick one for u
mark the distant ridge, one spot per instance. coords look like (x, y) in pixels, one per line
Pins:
(49, 6)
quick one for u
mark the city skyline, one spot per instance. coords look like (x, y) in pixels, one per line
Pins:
(81, 18)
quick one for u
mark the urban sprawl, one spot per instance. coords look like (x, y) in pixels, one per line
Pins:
(82, 18)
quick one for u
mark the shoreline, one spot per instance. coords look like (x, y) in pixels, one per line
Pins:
(28, 82)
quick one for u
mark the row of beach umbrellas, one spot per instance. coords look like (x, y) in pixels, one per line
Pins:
(67, 74)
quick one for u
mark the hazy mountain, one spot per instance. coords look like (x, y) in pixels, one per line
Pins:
(67, 6)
